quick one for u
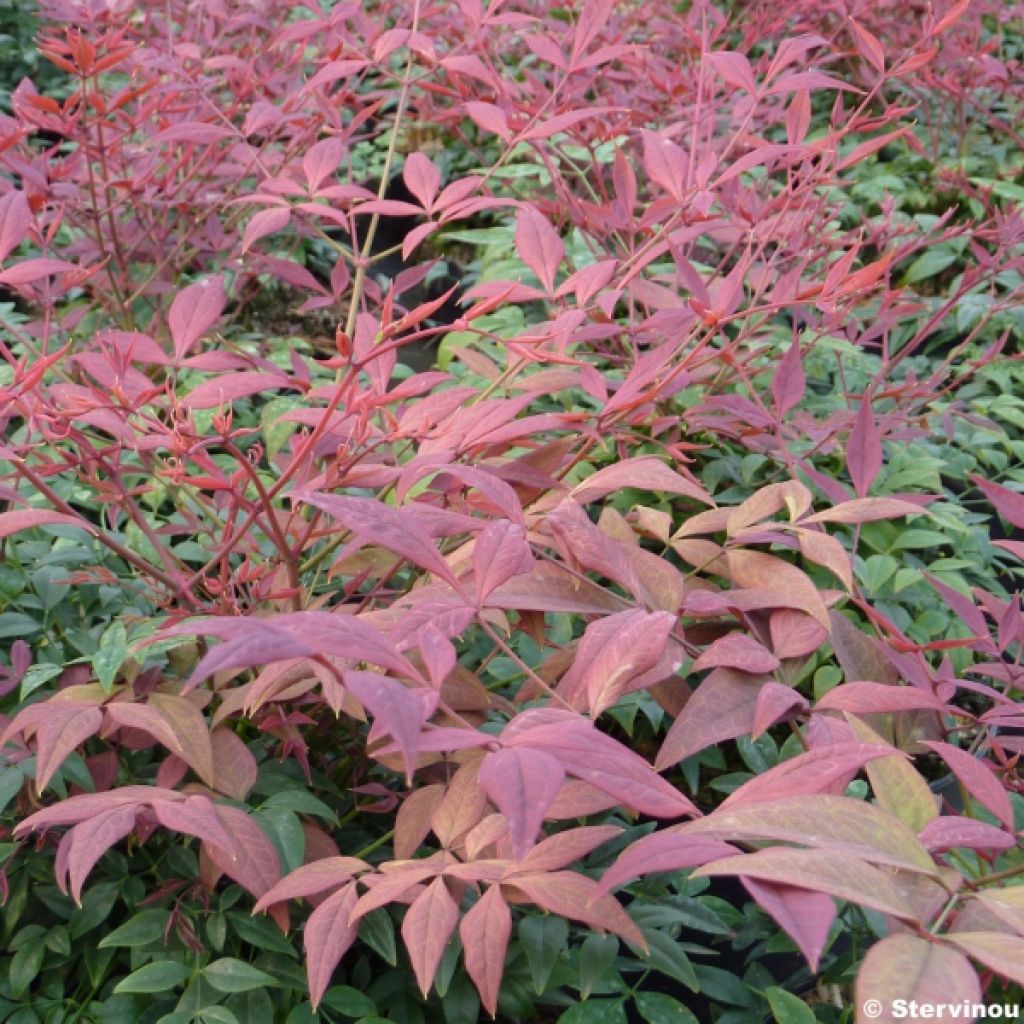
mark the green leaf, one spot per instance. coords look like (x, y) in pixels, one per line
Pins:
(217, 1015)
(262, 933)
(231, 975)
(141, 930)
(25, 965)
(349, 1001)
(377, 930)
(543, 938)
(285, 832)
(668, 957)
(11, 781)
(788, 1008)
(110, 656)
(656, 1008)
(597, 954)
(930, 263)
(595, 1011)
(37, 676)
(155, 977)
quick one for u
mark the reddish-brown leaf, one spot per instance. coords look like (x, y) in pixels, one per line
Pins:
(805, 916)
(194, 311)
(522, 784)
(327, 937)
(429, 923)
(485, 932)
(26, 518)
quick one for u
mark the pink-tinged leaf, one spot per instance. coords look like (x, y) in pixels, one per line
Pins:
(955, 831)
(1007, 904)
(84, 806)
(612, 653)
(485, 931)
(842, 876)
(870, 47)
(311, 880)
(91, 839)
(397, 711)
(489, 117)
(62, 727)
(805, 916)
(429, 923)
(662, 851)
(327, 937)
(721, 708)
(864, 449)
(561, 122)
(788, 381)
(861, 698)
(997, 951)
(645, 472)
(579, 898)
(757, 570)
(234, 768)
(412, 823)
(550, 588)
(828, 770)
(31, 271)
(775, 703)
(253, 863)
(866, 510)
(539, 246)
(737, 650)
(321, 161)
(977, 779)
(809, 80)
(915, 970)
(522, 784)
(501, 552)
(15, 220)
(27, 518)
(565, 848)
(263, 223)
(601, 761)
(790, 495)
(195, 816)
(422, 178)
(837, 824)
(825, 550)
(734, 68)
(666, 164)
(227, 387)
(176, 723)
(1008, 503)
(194, 311)
(393, 886)
(396, 529)
(795, 634)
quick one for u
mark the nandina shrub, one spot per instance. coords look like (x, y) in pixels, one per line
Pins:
(353, 646)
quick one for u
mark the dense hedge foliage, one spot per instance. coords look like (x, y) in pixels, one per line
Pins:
(510, 510)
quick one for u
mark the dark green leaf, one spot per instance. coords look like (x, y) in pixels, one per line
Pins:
(155, 977)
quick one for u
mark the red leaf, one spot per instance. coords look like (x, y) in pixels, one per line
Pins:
(666, 164)
(1009, 504)
(311, 879)
(265, 222)
(501, 552)
(795, 634)
(613, 653)
(734, 68)
(805, 916)
(737, 650)
(32, 270)
(489, 117)
(27, 518)
(91, 839)
(196, 816)
(564, 848)
(228, 387)
(757, 570)
(844, 877)
(997, 951)
(977, 779)
(788, 381)
(919, 972)
(522, 784)
(393, 528)
(721, 708)
(62, 726)
(775, 702)
(327, 937)
(870, 698)
(828, 770)
(662, 851)
(194, 311)
(865, 510)
(864, 449)
(955, 831)
(645, 472)
(253, 862)
(234, 768)
(539, 246)
(580, 899)
(422, 178)
(429, 923)
(321, 161)
(15, 220)
(871, 49)
(397, 710)
(485, 932)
